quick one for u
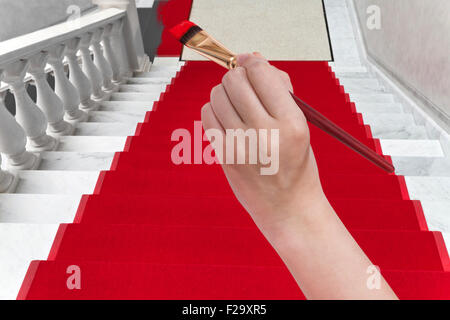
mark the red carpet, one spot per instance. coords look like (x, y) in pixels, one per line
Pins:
(169, 14)
(155, 230)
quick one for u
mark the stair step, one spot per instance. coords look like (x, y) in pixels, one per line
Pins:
(106, 128)
(195, 282)
(191, 180)
(362, 86)
(396, 250)
(354, 75)
(371, 98)
(429, 188)
(125, 106)
(405, 119)
(164, 68)
(154, 80)
(91, 144)
(367, 107)
(156, 74)
(144, 88)
(38, 208)
(411, 148)
(167, 61)
(134, 96)
(419, 166)
(57, 182)
(347, 69)
(20, 244)
(398, 131)
(76, 161)
(124, 114)
(438, 217)
(228, 212)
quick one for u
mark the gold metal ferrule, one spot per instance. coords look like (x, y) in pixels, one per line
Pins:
(212, 49)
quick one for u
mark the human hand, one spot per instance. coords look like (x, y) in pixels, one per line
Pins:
(257, 96)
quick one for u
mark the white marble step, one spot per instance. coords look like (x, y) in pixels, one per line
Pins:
(404, 119)
(429, 188)
(419, 166)
(57, 182)
(132, 115)
(91, 144)
(354, 75)
(167, 61)
(134, 96)
(372, 98)
(20, 244)
(106, 129)
(76, 161)
(398, 131)
(367, 108)
(437, 214)
(362, 86)
(412, 148)
(125, 105)
(38, 208)
(394, 126)
(145, 88)
(156, 74)
(153, 80)
(164, 68)
(341, 69)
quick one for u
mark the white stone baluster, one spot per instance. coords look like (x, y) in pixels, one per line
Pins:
(90, 69)
(101, 63)
(110, 54)
(8, 182)
(118, 45)
(64, 88)
(13, 141)
(77, 76)
(28, 115)
(47, 100)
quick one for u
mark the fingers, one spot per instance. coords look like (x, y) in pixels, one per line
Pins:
(209, 119)
(214, 131)
(269, 85)
(243, 97)
(286, 79)
(224, 109)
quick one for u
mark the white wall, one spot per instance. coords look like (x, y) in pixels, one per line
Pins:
(18, 17)
(413, 44)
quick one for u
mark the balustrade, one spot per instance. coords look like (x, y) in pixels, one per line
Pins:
(37, 126)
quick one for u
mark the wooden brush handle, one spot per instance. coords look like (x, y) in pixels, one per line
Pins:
(323, 123)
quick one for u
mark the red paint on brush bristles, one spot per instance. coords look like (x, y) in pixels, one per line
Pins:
(180, 29)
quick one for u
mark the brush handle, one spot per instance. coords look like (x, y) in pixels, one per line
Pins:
(323, 123)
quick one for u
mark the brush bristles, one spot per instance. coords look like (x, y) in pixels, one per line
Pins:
(190, 34)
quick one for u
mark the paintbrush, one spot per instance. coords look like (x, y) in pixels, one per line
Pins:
(195, 38)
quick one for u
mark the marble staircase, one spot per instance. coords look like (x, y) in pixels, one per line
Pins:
(50, 194)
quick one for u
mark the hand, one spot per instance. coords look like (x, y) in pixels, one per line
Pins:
(256, 96)
(288, 204)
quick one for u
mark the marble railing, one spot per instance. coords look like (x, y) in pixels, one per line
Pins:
(92, 49)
